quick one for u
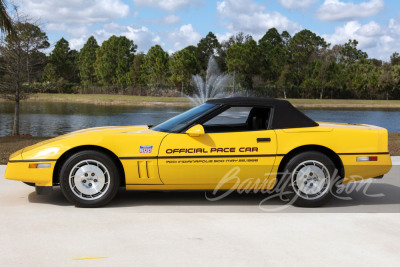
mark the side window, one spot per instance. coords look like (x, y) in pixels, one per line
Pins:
(233, 115)
(238, 119)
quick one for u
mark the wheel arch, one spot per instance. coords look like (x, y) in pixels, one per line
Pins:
(77, 149)
(307, 148)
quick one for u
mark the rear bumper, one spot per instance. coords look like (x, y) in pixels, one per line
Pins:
(360, 170)
(20, 171)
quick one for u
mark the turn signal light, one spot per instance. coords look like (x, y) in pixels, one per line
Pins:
(39, 165)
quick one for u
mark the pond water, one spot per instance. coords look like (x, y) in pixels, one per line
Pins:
(52, 119)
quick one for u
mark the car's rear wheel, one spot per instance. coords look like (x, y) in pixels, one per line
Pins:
(311, 178)
(89, 179)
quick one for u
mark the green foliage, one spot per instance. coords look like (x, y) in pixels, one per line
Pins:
(50, 73)
(273, 55)
(278, 65)
(61, 59)
(113, 59)
(206, 47)
(183, 64)
(350, 54)
(135, 70)
(240, 38)
(86, 61)
(6, 24)
(244, 60)
(395, 59)
(155, 66)
(304, 47)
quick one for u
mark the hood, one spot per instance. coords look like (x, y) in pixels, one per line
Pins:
(89, 131)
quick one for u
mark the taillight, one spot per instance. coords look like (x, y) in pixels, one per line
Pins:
(372, 158)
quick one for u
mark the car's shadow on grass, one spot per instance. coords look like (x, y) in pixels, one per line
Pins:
(351, 197)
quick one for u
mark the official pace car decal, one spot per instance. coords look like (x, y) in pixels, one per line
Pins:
(212, 150)
(145, 149)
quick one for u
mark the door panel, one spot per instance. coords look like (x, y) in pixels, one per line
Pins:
(210, 157)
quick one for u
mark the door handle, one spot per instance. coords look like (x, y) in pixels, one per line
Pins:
(259, 140)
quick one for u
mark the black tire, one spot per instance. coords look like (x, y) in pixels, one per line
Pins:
(310, 178)
(87, 172)
(30, 184)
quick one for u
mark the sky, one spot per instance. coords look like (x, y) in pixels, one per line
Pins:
(175, 24)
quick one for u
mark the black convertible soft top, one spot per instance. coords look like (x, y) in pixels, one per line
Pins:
(284, 114)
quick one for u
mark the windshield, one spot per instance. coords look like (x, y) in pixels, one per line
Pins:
(177, 123)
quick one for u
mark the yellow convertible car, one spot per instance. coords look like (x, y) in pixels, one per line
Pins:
(240, 143)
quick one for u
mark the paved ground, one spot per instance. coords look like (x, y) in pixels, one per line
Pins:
(162, 229)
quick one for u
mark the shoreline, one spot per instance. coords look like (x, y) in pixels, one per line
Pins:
(130, 100)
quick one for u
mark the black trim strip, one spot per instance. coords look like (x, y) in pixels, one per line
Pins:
(33, 160)
(371, 153)
(207, 156)
(138, 157)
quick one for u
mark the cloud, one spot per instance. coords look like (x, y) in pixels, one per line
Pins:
(74, 16)
(296, 4)
(77, 43)
(182, 37)
(249, 17)
(223, 37)
(335, 10)
(140, 35)
(75, 11)
(167, 20)
(378, 41)
(168, 5)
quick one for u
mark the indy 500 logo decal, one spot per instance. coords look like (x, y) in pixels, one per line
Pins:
(145, 149)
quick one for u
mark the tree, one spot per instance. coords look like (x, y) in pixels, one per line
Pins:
(362, 79)
(386, 80)
(239, 38)
(113, 60)
(20, 53)
(206, 47)
(350, 54)
(304, 47)
(155, 66)
(183, 64)
(63, 59)
(135, 71)
(32, 41)
(395, 59)
(273, 54)
(244, 59)
(285, 80)
(86, 60)
(6, 24)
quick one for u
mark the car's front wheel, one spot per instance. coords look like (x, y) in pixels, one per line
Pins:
(310, 179)
(89, 179)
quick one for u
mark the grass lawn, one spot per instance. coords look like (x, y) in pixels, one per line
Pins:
(9, 145)
(102, 99)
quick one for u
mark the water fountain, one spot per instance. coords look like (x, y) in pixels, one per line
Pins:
(212, 86)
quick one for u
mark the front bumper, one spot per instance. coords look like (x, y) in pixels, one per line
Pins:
(20, 171)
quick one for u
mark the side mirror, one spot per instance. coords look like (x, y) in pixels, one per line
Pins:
(195, 131)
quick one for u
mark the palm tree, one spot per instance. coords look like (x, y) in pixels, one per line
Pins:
(6, 24)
